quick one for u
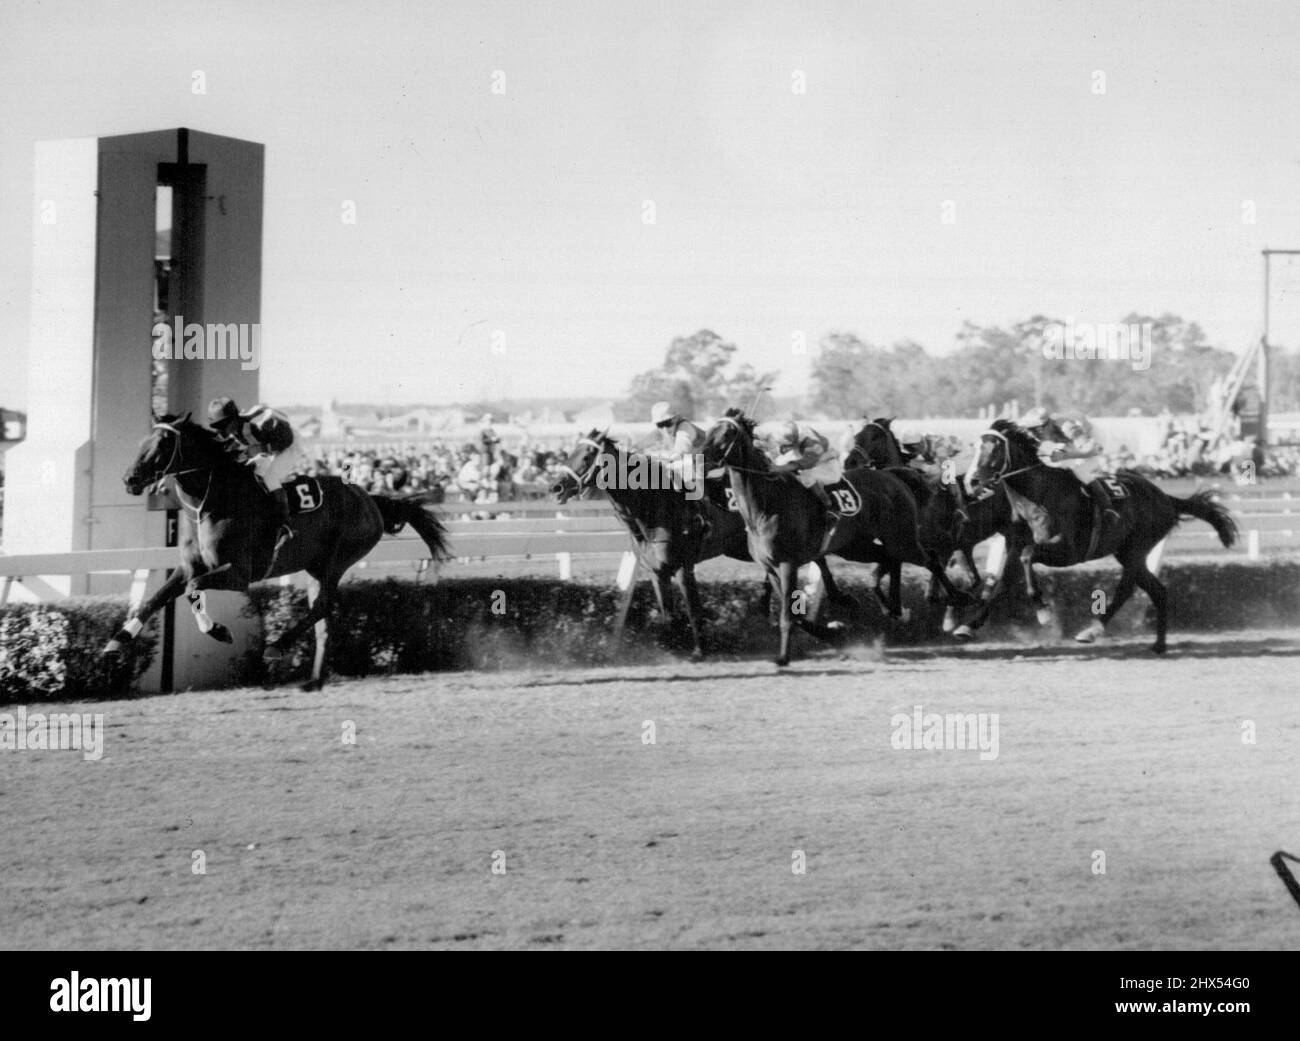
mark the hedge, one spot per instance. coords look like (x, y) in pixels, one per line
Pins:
(395, 625)
(51, 652)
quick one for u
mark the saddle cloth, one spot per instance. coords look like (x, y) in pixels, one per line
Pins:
(845, 497)
(1114, 486)
(304, 495)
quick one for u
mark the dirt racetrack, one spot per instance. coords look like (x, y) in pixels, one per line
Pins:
(688, 842)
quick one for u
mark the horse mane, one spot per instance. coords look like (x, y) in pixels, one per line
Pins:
(746, 424)
(219, 447)
(1016, 435)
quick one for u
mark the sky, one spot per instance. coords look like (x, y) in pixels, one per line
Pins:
(942, 163)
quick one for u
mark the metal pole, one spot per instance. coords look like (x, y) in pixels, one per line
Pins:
(1262, 372)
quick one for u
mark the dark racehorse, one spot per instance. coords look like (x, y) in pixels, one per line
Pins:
(663, 523)
(1055, 518)
(228, 531)
(787, 525)
(943, 529)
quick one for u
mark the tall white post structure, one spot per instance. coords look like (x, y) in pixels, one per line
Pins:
(104, 269)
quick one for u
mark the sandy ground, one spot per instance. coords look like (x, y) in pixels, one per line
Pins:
(688, 842)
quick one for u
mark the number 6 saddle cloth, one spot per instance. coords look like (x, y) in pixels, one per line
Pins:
(304, 494)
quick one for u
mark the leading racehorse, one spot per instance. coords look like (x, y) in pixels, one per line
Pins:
(228, 533)
(787, 525)
(1056, 522)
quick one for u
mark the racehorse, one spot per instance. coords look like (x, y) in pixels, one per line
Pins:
(1056, 518)
(228, 534)
(787, 525)
(943, 529)
(663, 523)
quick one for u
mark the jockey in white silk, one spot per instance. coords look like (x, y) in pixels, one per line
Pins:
(801, 450)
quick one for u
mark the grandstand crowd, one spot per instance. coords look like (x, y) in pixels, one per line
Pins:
(491, 473)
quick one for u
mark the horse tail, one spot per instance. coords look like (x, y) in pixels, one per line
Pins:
(416, 510)
(1204, 506)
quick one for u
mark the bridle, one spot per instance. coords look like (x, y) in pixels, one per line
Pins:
(176, 455)
(1004, 473)
(582, 480)
(730, 446)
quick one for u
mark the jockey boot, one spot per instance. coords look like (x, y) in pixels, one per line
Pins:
(1101, 499)
(281, 499)
(825, 497)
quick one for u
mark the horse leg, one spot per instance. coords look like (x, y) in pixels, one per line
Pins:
(939, 573)
(1097, 627)
(316, 591)
(878, 589)
(785, 577)
(218, 578)
(275, 649)
(997, 586)
(766, 599)
(1041, 611)
(895, 589)
(837, 596)
(167, 592)
(1155, 589)
(694, 609)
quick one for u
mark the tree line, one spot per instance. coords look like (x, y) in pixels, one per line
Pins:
(991, 366)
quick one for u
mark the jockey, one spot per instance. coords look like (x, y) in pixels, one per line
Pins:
(1066, 443)
(267, 436)
(684, 438)
(799, 449)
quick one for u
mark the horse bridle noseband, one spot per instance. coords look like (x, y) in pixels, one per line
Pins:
(167, 470)
(1003, 473)
(582, 480)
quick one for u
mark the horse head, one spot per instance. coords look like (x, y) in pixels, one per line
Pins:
(730, 442)
(175, 445)
(1004, 449)
(875, 445)
(580, 466)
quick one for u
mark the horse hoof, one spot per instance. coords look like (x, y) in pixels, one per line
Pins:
(312, 685)
(221, 634)
(697, 656)
(964, 632)
(1092, 634)
(1044, 615)
(112, 647)
(272, 653)
(950, 621)
(782, 662)
(1158, 648)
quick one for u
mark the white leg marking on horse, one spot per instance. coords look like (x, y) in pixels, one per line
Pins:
(201, 617)
(1093, 632)
(132, 626)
